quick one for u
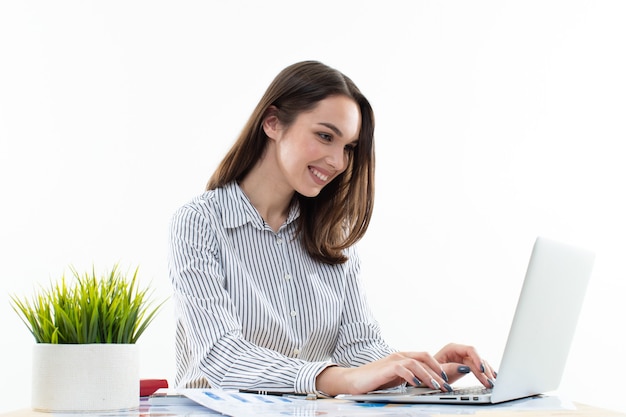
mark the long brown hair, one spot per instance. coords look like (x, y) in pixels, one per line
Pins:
(340, 214)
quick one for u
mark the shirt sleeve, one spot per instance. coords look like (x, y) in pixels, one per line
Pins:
(210, 349)
(360, 340)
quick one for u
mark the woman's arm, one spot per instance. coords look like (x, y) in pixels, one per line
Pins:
(359, 340)
(209, 343)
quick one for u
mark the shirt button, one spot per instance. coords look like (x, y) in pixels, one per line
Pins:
(279, 240)
(287, 277)
(296, 352)
(293, 313)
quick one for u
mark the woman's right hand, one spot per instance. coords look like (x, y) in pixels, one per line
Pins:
(414, 368)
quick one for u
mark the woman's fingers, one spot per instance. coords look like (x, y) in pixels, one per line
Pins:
(468, 356)
(426, 371)
(484, 373)
(421, 369)
(455, 371)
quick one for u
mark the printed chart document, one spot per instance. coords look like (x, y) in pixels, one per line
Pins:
(237, 404)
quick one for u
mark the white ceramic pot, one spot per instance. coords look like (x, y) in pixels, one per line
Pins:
(88, 377)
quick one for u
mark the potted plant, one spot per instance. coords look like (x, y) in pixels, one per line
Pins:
(85, 357)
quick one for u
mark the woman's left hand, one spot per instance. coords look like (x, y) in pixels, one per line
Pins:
(458, 360)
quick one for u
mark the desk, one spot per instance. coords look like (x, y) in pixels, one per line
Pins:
(582, 410)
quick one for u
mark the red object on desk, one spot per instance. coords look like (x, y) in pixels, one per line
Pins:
(149, 386)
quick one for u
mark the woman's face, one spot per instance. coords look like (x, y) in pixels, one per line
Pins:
(316, 147)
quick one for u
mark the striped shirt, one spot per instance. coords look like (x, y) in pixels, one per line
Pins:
(253, 309)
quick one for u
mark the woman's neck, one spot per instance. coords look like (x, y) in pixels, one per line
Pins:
(271, 198)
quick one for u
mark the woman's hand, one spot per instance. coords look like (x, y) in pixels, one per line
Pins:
(415, 368)
(456, 358)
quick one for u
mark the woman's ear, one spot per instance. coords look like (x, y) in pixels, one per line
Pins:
(271, 124)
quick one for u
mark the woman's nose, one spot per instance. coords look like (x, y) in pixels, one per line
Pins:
(337, 158)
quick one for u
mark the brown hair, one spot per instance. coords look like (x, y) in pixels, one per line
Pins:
(340, 214)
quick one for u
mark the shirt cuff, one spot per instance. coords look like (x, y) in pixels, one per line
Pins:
(305, 379)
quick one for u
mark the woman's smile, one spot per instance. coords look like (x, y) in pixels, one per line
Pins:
(323, 178)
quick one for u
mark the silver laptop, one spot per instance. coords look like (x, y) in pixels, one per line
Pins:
(540, 336)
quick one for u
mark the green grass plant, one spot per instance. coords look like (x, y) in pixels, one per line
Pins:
(109, 309)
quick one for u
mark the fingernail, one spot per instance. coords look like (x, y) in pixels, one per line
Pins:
(435, 384)
(444, 376)
(491, 382)
(463, 369)
(447, 387)
(416, 381)
(482, 367)
(495, 374)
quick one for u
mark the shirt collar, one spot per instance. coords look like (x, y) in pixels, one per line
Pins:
(242, 211)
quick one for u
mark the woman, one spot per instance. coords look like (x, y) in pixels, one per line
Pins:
(263, 264)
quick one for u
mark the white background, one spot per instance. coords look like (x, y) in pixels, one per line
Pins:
(497, 121)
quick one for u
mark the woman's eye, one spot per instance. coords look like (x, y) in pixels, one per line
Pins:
(325, 137)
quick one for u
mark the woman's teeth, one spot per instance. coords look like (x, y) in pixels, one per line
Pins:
(319, 174)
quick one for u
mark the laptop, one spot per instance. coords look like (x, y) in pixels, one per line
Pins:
(539, 338)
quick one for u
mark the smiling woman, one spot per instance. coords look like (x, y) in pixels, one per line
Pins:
(263, 265)
(496, 121)
(282, 142)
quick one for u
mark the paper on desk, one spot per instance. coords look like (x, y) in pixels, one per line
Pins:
(236, 404)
